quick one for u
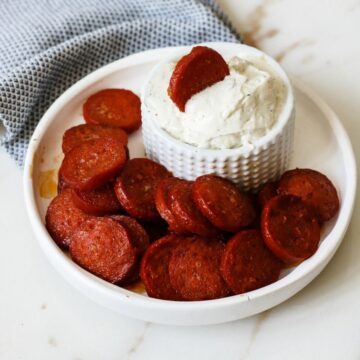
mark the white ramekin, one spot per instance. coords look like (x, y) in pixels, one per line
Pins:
(248, 166)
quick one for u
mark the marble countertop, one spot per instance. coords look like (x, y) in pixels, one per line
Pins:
(42, 317)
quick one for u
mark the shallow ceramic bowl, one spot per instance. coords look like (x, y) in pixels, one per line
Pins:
(320, 143)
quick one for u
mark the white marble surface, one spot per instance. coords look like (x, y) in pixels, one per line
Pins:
(42, 317)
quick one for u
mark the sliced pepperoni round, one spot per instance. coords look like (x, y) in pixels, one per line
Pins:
(85, 132)
(114, 107)
(135, 187)
(290, 228)
(194, 72)
(138, 236)
(222, 203)
(186, 213)
(162, 203)
(314, 188)
(63, 218)
(267, 192)
(194, 269)
(154, 270)
(100, 201)
(139, 239)
(93, 163)
(247, 264)
(103, 247)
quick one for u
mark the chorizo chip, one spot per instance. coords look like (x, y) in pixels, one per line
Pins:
(100, 201)
(314, 188)
(194, 269)
(290, 228)
(194, 72)
(154, 271)
(63, 217)
(222, 203)
(85, 132)
(135, 187)
(163, 206)
(187, 214)
(93, 163)
(114, 107)
(247, 264)
(103, 247)
(138, 236)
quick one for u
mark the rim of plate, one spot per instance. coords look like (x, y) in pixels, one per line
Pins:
(328, 247)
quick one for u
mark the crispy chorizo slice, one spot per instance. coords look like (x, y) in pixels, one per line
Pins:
(247, 264)
(100, 201)
(63, 217)
(290, 228)
(85, 132)
(103, 247)
(194, 72)
(187, 214)
(162, 203)
(154, 269)
(135, 187)
(93, 163)
(114, 107)
(194, 269)
(314, 188)
(222, 203)
(138, 236)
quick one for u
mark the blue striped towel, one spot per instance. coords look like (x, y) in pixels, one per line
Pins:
(47, 45)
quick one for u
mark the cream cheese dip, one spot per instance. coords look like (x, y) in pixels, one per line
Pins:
(229, 114)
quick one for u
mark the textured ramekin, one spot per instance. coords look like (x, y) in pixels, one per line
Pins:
(249, 166)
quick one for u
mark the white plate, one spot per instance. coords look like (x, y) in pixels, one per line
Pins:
(320, 143)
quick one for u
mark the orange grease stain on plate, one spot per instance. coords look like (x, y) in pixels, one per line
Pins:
(137, 287)
(48, 183)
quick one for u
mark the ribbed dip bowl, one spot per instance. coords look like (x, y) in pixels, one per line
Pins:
(250, 165)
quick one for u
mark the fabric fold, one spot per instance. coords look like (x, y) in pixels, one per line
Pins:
(46, 46)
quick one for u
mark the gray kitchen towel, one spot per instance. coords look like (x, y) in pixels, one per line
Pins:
(47, 45)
